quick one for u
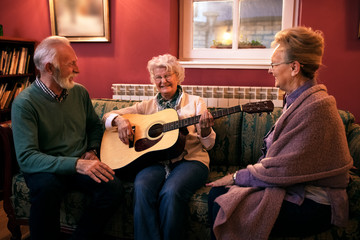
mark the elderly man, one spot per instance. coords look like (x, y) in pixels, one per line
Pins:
(57, 135)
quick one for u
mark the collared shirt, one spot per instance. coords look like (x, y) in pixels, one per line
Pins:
(48, 91)
(289, 99)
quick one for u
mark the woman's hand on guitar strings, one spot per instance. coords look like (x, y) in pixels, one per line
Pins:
(206, 122)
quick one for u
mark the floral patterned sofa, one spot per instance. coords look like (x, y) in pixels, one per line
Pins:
(238, 143)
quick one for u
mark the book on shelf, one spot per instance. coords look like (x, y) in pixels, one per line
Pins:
(8, 61)
(21, 86)
(4, 98)
(8, 94)
(2, 89)
(27, 63)
(4, 57)
(11, 95)
(14, 61)
(5, 124)
(2, 61)
(22, 61)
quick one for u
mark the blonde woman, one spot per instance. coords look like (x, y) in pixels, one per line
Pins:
(298, 186)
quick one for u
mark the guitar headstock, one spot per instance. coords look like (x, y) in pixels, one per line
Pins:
(258, 107)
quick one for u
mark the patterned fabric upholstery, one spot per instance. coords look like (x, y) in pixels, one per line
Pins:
(103, 106)
(253, 129)
(226, 151)
(238, 143)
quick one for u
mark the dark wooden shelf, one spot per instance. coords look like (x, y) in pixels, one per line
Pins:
(12, 45)
(16, 75)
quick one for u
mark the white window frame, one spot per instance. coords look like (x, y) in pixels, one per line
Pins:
(227, 58)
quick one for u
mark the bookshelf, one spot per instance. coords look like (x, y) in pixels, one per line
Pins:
(17, 70)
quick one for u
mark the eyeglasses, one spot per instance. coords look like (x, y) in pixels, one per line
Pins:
(166, 77)
(277, 64)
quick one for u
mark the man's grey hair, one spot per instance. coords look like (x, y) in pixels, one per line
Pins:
(46, 51)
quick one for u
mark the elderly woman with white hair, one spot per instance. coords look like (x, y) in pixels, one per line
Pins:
(163, 189)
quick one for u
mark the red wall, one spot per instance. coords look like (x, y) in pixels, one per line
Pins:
(141, 29)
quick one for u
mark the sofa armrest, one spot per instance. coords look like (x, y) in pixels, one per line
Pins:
(353, 137)
(352, 131)
(10, 165)
(353, 191)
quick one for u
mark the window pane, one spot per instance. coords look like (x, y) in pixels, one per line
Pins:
(260, 20)
(212, 23)
(196, 35)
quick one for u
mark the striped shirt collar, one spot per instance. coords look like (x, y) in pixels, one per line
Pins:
(48, 91)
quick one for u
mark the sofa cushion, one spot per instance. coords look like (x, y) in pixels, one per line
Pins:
(347, 118)
(74, 204)
(353, 138)
(254, 128)
(20, 197)
(103, 105)
(226, 151)
(238, 143)
(353, 191)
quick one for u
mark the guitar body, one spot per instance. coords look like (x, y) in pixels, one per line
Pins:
(150, 143)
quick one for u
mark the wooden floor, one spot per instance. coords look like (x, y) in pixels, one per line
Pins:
(4, 232)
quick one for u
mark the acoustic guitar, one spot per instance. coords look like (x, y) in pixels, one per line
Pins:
(159, 136)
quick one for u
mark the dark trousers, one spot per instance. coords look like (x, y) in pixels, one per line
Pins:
(46, 193)
(161, 205)
(293, 221)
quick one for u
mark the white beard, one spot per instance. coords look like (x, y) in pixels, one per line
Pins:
(64, 82)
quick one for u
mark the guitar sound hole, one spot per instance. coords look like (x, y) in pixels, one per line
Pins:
(156, 130)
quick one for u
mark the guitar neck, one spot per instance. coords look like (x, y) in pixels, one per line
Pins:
(255, 107)
(194, 120)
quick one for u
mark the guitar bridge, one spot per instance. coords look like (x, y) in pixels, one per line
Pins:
(131, 140)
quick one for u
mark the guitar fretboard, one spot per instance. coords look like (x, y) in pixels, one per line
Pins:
(193, 120)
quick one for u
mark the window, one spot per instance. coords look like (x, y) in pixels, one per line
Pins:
(232, 33)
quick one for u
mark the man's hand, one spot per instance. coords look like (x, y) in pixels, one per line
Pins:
(95, 169)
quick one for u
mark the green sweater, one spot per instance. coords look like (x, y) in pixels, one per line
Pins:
(50, 136)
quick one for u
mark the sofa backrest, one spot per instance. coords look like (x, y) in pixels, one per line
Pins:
(226, 150)
(253, 129)
(239, 136)
(352, 134)
(228, 129)
(102, 106)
